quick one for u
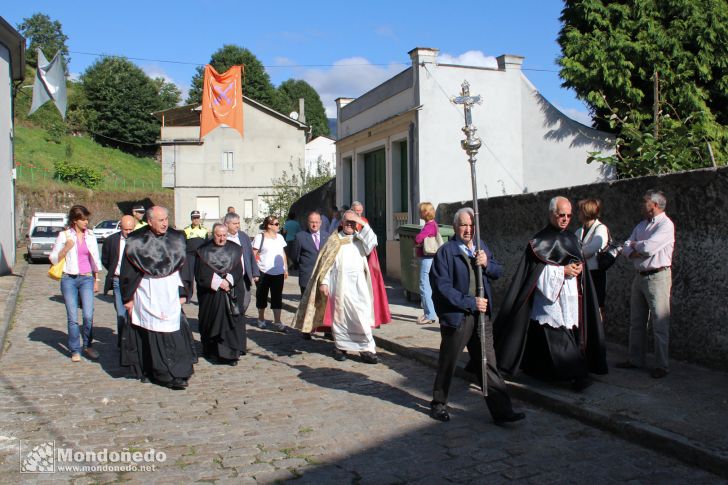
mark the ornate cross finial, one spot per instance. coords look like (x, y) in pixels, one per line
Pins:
(471, 144)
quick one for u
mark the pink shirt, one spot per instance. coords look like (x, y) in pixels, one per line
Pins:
(654, 242)
(84, 257)
(430, 230)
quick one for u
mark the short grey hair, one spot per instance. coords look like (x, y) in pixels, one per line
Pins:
(461, 211)
(356, 203)
(150, 211)
(658, 197)
(554, 203)
(216, 225)
(229, 217)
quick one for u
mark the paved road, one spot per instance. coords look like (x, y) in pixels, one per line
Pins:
(287, 411)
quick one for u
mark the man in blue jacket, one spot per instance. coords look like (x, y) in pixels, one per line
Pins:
(452, 278)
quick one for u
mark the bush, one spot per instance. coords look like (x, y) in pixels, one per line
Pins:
(78, 174)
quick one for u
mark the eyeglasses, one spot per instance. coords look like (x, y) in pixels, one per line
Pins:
(563, 216)
(274, 224)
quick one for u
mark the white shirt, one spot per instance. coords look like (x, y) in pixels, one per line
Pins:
(156, 303)
(71, 266)
(556, 299)
(654, 240)
(122, 245)
(272, 255)
(596, 239)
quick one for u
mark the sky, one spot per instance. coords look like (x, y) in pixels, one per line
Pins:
(343, 49)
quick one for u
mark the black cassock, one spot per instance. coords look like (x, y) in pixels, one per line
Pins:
(162, 356)
(188, 270)
(541, 350)
(221, 321)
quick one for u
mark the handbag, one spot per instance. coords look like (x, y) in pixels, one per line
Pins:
(609, 253)
(431, 244)
(257, 255)
(55, 272)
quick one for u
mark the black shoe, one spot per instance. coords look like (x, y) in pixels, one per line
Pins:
(232, 362)
(91, 353)
(510, 419)
(177, 384)
(306, 336)
(144, 379)
(658, 373)
(581, 383)
(439, 412)
(368, 357)
(626, 365)
(339, 355)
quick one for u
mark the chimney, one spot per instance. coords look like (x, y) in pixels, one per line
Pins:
(301, 112)
(423, 55)
(508, 62)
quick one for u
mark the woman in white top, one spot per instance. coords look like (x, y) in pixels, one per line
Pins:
(268, 248)
(594, 236)
(80, 281)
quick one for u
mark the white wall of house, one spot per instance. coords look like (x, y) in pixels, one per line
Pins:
(227, 170)
(324, 148)
(7, 182)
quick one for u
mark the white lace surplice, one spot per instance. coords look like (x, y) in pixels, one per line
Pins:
(556, 299)
(352, 299)
(156, 303)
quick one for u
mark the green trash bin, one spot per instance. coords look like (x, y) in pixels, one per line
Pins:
(408, 260)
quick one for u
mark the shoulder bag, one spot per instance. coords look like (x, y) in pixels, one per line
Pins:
(431, 244)
(55, 272)
(609, 253)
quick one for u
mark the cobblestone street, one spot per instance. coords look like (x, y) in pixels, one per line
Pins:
(288, 411)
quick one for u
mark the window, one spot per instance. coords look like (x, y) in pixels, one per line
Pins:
(248, 209)
(226, 162)
(263, 210)
(209, 207)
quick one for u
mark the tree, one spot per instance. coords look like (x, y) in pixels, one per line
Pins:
(119, 101)
(611, 51)
(169, 94)
(291, 186)
(290, 91)
(256, 82)
(46, 34)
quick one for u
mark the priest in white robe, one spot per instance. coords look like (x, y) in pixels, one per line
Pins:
(342, 282)
(156, 342)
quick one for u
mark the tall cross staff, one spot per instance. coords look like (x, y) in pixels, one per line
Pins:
(471, 145)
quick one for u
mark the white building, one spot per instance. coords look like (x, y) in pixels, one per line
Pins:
(12, 68)
(399, 144)
(323, 148)
(223, 169)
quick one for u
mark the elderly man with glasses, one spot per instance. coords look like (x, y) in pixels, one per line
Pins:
(549, 324)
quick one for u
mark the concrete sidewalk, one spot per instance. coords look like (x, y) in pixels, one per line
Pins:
(684, 414)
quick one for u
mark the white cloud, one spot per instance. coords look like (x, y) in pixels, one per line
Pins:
(469, 58)
(350, 78)
(154, 71)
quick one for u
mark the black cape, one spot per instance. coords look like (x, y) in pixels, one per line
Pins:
(221, 330)
(159, 355)
(510, 328)
(188, 270)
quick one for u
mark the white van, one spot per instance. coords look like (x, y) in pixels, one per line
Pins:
(44, 228)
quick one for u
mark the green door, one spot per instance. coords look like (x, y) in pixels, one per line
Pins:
(375, 200)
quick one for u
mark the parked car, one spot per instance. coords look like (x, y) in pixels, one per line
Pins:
(104, 229)
(41, 242)
(46, 219)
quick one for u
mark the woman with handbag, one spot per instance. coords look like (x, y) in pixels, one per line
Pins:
(594, 237)
(78, 248)
(268, 248)
(430, 230)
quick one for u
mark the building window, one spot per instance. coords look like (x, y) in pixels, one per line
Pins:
(263, 208)
(209, 207)
(248, 209)
(226, 162)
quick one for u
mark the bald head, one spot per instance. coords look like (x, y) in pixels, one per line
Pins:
(126, 225)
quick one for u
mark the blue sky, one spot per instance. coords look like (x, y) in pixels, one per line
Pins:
(342, 48)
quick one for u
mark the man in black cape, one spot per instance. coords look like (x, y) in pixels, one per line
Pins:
(156, 341)
(549, 323)
(219, 277)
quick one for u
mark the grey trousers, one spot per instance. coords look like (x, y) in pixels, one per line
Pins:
(454, 340)
(650, 305)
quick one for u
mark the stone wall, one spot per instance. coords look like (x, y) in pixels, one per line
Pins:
(696, 203)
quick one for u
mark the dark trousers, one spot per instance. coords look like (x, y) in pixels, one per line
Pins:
(454, 340)
(274, 284)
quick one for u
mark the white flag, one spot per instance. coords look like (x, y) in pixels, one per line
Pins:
(50, 84)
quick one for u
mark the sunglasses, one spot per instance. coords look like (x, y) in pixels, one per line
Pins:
(564, 216)
(349, 223)
(274, 224)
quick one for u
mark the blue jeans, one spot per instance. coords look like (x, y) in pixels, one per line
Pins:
(119, 305)
(425, 289)
(73, 288)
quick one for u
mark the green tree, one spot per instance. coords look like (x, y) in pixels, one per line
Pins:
(610, 52)
(46, 34)
(119, 101)
(289, 93)
(256, 82)
(169, 94)
(294, 183)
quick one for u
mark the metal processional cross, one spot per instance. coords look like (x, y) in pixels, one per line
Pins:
(471, 144)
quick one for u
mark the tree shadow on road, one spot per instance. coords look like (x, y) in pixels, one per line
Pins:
(288, 344)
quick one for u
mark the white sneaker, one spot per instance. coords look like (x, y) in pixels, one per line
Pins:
(261, 323)
(280, 327)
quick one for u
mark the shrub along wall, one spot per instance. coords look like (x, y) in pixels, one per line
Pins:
(696, 202)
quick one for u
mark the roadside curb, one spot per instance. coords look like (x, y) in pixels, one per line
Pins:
(21, 267)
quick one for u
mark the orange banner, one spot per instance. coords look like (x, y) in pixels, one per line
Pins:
(222, 100)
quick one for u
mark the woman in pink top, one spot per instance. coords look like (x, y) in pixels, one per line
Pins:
(427, 212)
(77, 245)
